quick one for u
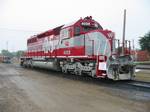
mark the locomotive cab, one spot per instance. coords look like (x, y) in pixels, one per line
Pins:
(85, 25)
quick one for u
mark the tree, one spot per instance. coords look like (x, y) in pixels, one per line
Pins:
(6, 53)
(19, 53)
(145, 42)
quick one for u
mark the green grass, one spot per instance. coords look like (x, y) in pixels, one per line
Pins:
(142, 62)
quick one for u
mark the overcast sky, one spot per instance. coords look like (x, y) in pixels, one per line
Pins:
(20, 19)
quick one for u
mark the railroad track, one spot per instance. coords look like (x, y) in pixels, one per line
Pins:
(140, 84)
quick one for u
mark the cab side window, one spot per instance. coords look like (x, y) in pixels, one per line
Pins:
(77, 31)
(64, 33)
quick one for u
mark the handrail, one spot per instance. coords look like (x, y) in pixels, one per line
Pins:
(92, 44)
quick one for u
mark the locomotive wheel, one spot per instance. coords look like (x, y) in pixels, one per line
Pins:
(30, 64)
(92, 73)
(78, 71)
(24, 64)
(64, 70)
(75, 72)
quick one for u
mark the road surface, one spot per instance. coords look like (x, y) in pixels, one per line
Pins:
(26, 90)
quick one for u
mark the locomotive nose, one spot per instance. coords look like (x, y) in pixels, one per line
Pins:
(121, 68)
(98, 43)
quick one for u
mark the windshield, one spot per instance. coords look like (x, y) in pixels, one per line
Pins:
(89, 28)
(85, 29)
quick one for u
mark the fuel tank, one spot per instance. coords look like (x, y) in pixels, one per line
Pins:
(52, 65)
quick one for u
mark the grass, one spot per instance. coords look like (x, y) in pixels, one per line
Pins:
(143, 76)
(142, 62)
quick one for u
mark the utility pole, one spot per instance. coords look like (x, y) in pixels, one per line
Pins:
(124, 29)
(133, 44)
(7, 45)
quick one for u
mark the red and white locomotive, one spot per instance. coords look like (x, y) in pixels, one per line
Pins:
(82, 47)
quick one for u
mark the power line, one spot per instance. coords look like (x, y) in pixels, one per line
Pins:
(10, 29)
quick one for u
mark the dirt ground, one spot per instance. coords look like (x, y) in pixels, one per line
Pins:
(26, 90)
